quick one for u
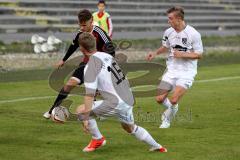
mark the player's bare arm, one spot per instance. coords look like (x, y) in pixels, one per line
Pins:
(88, 101)
(160, 50)
(59, 64)
(187, 55)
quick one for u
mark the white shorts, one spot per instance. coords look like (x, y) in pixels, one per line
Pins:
(174, 81)
(122, 111)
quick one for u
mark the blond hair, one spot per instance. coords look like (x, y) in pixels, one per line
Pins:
(87, 41)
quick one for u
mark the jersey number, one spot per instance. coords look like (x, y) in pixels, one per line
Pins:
(117, 72)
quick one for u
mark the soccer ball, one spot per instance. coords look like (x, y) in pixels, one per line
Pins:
(60, 114)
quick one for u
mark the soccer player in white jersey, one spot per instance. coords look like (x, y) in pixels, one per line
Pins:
(102, 73)
(184, 46)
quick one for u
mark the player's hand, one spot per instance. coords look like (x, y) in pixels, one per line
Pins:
(60, 64)
(150, 56)
(85, 126)
(178, 54)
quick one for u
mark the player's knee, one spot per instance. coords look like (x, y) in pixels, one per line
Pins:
(73, 82)
(174, 100)
(127, 128)
(67, 88)
(80, 109)
(160, 99)
(70, 85)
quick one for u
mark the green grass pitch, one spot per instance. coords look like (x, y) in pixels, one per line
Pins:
(207, 126)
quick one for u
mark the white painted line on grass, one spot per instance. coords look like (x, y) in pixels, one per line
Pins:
(26, 99)
(48, 97)
(218, 79)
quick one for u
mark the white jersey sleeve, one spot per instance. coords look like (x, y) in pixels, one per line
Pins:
(91, 72)
(165, 39)
(197, 43)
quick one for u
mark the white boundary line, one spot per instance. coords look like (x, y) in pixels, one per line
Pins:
(218, 79)
(26, 99)
(48, 97)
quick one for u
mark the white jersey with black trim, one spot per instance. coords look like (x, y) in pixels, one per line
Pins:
(102, 73)
(188, 40)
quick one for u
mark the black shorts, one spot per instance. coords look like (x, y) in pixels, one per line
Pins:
(79, 72)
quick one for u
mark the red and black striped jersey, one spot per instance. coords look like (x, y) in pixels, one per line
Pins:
(103, 41)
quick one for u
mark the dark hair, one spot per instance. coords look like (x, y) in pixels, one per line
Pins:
(101, 1)
(179, 11)
(84, 15)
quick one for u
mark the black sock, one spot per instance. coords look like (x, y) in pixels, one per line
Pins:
(61, 96)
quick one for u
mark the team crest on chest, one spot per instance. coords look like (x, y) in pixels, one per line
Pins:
(184, 41)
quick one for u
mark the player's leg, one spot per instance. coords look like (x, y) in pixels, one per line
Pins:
(125, 116)
(76, 79)
(166, 85)
(143, 135)
(181, 87)
(179, 91)
(161, 97)
(97, 138)
(172, 109)
(93, 128)
(72, 82)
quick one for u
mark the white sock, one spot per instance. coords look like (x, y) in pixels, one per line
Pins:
(166, 116)
(143, 135)
(174, 110)
(93, 129)
(166, 103)
(169, 113)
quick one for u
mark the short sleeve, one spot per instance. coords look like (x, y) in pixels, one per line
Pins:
(165, 41)
(197, 44)
(91, 73)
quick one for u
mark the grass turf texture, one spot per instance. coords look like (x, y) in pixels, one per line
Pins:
(207, 126)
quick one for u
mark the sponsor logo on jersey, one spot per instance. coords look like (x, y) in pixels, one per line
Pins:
(180, 48)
